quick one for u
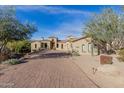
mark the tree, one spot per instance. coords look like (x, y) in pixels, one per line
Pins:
(105, 29)
(11, 29)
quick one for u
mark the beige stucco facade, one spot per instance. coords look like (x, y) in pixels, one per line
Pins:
(81, 45)
(39, 45)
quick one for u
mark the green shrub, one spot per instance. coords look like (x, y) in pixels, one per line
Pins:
(12, 61)
(19, 46)
(75, 53)
(121, 55)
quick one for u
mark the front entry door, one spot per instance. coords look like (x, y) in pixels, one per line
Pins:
(52, 44)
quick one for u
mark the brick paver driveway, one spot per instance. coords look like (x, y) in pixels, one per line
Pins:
(46, 72)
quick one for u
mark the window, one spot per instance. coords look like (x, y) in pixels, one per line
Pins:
(89, 47)
(45, 45)
(35, 45)
(57, 45)
(41, 45)
(83, 47)
(61, 46)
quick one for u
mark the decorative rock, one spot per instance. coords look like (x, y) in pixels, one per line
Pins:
(105, 59)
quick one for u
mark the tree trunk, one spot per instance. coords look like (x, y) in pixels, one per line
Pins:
(105, 50)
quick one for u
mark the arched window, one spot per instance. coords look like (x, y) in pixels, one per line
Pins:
(35, 45)
(41, 45)
(57, 45)
(61, 46)
(89, 47)
(45, 45)
(83, 48)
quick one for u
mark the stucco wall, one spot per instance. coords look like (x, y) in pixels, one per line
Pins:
(48, 43)
(82, 46)
(38, 44)
(60, 44)
(33, 48)
(54, 39)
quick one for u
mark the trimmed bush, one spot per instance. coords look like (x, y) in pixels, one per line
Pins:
(12, 61)
(121, 55)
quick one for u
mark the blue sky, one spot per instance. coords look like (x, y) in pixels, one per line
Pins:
(60, 21)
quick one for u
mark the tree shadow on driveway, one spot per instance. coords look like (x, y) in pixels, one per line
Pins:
(52, 55)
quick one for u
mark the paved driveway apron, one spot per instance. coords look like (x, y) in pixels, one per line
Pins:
(46, 73)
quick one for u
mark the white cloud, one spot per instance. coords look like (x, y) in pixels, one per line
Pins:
(54, 10)
(65, 28)
(61, 10)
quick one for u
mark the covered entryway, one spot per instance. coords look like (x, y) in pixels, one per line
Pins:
(53, 44)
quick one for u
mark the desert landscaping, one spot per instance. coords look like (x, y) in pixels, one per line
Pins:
(52, 53)
(58, 69)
